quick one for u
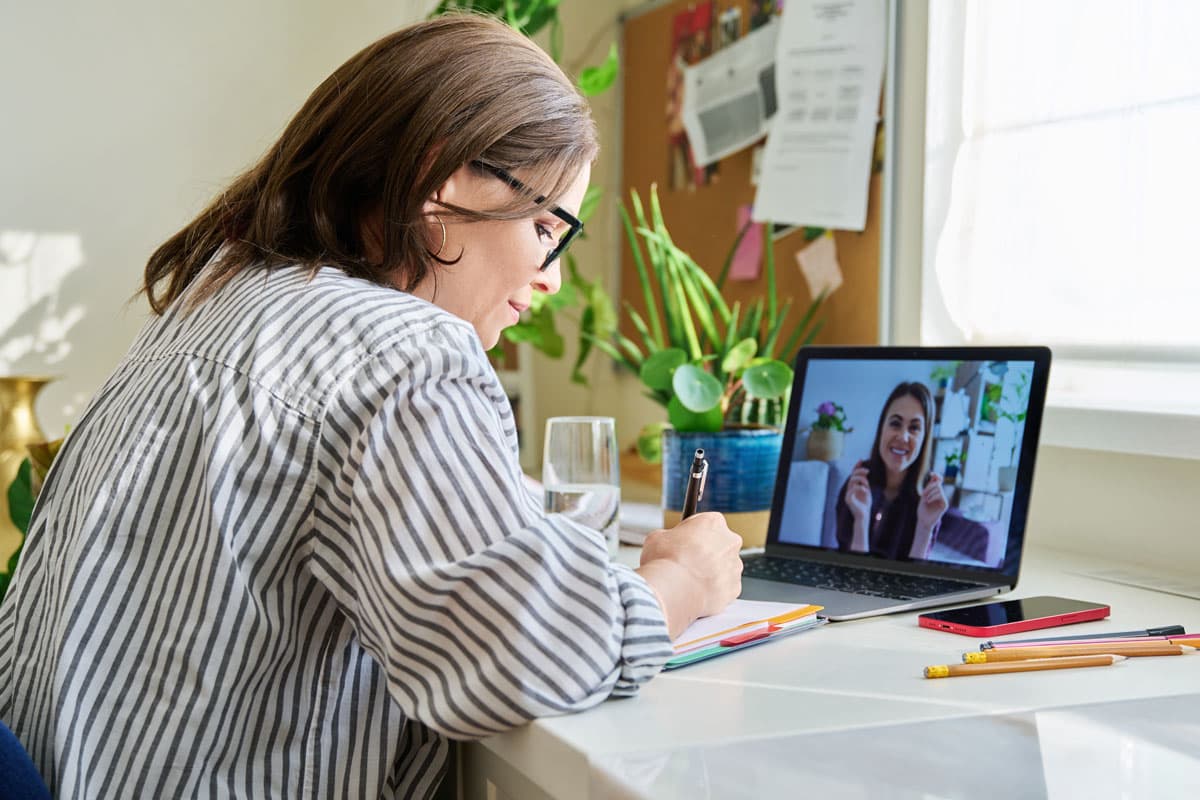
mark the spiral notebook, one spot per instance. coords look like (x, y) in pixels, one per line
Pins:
(745, 623)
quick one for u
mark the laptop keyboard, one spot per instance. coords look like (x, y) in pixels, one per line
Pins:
(857, 580)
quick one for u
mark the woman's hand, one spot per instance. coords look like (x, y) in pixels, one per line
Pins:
(858, 493)
(694, 568)
(933, 503)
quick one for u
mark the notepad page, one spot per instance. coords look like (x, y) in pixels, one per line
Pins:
(739, 616)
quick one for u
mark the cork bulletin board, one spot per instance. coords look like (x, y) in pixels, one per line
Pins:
(700, 206)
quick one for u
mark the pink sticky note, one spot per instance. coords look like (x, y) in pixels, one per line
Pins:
(819, 263)
(747, 261)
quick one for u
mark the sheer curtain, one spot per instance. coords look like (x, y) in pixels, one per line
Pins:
(1062, 186)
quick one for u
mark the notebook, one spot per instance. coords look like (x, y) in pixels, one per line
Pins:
(744, 623)
(853, 527)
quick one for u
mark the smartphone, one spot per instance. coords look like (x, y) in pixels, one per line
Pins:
(1013, 616)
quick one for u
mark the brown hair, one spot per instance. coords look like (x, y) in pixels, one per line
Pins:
(381, 135)
(877, 472)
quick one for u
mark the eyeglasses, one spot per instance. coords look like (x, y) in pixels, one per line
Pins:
(574, 225)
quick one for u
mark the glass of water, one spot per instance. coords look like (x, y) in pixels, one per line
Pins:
(581, 475)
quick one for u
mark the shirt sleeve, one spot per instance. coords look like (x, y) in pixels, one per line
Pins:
(483, 611)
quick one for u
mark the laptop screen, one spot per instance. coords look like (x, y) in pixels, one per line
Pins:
(925, 459)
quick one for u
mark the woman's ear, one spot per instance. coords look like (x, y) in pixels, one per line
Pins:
(456, 190)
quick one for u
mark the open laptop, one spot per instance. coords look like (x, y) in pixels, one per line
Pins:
(857, 525)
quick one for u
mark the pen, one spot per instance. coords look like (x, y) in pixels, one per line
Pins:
(1166, 630)
(1054, 651)
(1185, 638)
(956, 670)
(697, 476)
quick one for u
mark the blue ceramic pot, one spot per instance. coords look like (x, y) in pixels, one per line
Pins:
(742, 463)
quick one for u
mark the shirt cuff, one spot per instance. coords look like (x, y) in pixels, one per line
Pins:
(646, 645)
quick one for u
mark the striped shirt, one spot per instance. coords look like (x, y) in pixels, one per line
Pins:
(288, 552)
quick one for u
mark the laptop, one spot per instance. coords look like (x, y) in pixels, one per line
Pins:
(904, 478)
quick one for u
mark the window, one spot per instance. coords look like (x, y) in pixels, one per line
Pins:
(1062, 167)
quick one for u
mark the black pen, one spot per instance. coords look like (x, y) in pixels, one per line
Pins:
(1166, 630)
(697, 476)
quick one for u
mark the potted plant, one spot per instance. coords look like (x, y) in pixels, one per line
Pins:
(721, 372)
(21, 495)
(826, 436)
(954, 462)
(941, 374)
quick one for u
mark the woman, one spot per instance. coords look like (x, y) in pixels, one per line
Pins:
(891, 505)
(287, 551)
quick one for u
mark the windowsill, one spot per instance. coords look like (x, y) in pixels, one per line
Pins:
(1151, 410)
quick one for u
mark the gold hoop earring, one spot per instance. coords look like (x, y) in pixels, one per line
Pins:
(442, 246)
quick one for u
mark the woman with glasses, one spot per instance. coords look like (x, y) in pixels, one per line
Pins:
(287, 550)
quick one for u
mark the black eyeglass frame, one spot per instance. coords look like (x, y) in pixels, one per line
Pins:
(575, 225)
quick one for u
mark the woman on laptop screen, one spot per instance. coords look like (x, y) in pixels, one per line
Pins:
(891, 505)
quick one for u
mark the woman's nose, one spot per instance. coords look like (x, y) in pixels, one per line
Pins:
(549, 281)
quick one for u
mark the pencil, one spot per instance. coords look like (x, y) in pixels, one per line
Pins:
(1057, 651)
(956, 670)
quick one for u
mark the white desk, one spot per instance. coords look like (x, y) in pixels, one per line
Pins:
(844, 711)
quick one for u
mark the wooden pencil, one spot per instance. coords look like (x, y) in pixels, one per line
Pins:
(1136, 649)
(1032, 665)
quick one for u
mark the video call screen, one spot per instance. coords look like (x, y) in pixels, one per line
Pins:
(907, 460)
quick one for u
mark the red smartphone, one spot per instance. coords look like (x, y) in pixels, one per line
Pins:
(1013, 616)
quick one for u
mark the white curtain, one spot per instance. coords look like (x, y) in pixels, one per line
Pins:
(1062, 192)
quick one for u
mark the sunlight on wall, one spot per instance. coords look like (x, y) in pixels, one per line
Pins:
(34, 326)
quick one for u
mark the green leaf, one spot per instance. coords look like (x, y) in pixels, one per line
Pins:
(591, 201)
(594, 80)
(767, 381)
(565, 297)
(699, 308)
(773, 334)
(696, 389)
(683, 419)
(643, 331)
(609, 350)
(659, 369)
(732, 326)
(587, 327)
(753, 321)
(20, 497)
(649, 442)
(732, 252)
(540, 332)
(811, 233)
(772, 299)
(602, 306)
(794, 341)
(643, 276)
(739, 356)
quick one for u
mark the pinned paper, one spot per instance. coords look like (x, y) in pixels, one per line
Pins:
(819, 263)
(747, 260)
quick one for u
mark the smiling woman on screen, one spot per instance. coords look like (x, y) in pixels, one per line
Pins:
(891, 504)
(288, 551)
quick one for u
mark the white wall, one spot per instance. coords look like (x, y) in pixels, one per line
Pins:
(120, 121)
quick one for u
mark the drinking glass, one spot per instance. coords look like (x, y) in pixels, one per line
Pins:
(581, 475)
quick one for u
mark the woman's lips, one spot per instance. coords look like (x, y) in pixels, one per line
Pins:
(516, 309)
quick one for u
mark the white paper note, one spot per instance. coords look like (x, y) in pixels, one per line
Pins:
(829, 70)
(729, 97)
